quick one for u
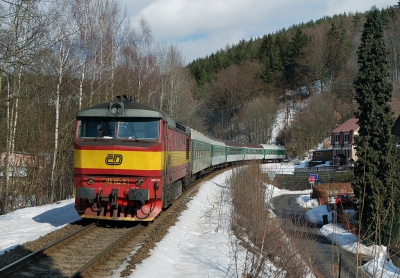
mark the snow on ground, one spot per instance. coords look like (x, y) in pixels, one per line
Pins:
(29, 224)
(199, 245)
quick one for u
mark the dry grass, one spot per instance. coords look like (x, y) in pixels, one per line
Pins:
(266, 238)
(323, 191)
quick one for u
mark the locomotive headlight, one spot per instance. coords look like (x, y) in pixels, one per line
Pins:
(90, 181)
(139, 182)
(116, 108)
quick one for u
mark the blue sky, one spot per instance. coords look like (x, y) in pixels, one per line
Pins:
(201, 27)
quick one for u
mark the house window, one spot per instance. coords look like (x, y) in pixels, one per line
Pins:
(346, 137)
(337, 136)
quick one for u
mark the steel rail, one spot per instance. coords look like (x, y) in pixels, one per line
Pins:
(103, 256)
(43, 251)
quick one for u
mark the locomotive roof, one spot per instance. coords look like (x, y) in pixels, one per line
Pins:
(131, 110)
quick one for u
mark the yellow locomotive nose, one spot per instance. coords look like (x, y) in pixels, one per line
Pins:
(121, 161)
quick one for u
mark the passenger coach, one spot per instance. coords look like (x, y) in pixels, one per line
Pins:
(254, 152)
(200, 155)
(273, 152)
(218, 153)
(235, 152)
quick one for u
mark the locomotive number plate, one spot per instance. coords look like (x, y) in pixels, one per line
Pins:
(122, 181)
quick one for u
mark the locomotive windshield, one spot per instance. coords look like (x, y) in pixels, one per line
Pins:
(138, 129)
(96, 128)
(134, 129)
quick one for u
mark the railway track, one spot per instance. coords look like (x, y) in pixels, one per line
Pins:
(72, 256)
(95, 251)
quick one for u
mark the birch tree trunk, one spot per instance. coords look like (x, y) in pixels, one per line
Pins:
(4, 61)
(83, 12)
(14, 50)
(63, 62)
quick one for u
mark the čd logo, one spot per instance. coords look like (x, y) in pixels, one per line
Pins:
(114, 159)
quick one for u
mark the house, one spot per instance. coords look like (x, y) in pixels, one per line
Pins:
(320, 156)
(342, 139)
(19, 163)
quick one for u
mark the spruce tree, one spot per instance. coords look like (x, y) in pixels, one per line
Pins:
(373, 181)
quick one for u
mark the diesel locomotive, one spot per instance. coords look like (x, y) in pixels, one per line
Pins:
(131, 160)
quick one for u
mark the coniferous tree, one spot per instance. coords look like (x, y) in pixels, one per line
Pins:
(294, 54)
(373, 171)
(356, 21)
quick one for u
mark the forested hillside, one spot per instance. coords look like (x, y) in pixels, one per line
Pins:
(313, 62)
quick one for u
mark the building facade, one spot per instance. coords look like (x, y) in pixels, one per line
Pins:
(342, 140)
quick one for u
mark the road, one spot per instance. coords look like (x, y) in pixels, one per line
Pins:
(326, 258)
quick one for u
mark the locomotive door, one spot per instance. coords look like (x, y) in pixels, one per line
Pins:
(167, 157)
(166, 195)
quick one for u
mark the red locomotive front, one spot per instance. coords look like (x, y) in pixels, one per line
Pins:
(130, 161)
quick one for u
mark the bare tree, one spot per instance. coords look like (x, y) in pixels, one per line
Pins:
(81, 14)
(105, 21)
(313, 124)
(143, 65)
(61, 61)
(258, 118)
(21, 26)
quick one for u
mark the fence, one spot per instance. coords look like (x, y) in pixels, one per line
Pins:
(300, 181)
(314, 170)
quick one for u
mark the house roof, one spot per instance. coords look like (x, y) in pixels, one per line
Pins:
(350, 124)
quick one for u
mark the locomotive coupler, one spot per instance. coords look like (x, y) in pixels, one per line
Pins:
(98, 201)
(114, 195)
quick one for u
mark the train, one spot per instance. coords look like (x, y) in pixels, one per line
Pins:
(132, 161)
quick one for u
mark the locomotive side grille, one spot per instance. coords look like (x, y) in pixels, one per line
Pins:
(187, 148)
(180, 126)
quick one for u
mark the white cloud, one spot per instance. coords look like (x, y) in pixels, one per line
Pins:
(202, 27)
(340, 6)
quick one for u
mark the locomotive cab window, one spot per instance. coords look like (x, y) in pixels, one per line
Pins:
(96, 128)
(138, 129)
